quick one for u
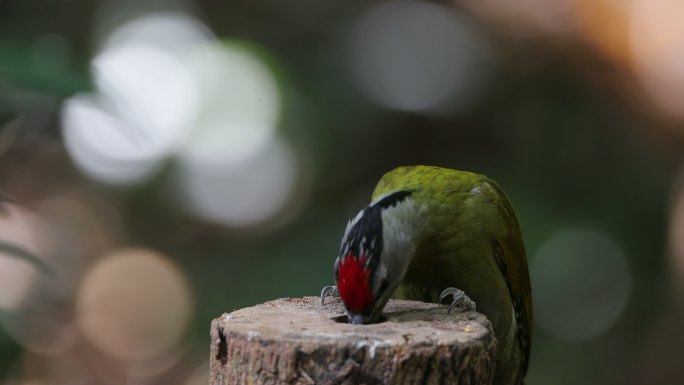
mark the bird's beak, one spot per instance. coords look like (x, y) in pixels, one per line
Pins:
(365, 318)
(358, 319)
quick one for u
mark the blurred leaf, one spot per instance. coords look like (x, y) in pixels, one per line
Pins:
(41, 66)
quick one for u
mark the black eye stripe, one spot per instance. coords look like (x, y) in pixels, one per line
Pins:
(392, 199)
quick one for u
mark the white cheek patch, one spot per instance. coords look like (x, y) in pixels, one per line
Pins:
(399, 223)
(399, 227)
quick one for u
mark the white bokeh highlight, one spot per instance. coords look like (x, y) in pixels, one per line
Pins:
(416, 56)
(240, 103)
(103, 146)
(168, 90)
(239, 194)
(234, 169)
(151, 90)
(144, 104)
(174, 33)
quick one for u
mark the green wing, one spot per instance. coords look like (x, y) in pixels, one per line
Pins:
(509, 250)
(469, 215)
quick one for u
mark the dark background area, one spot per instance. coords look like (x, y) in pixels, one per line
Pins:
(170, 161)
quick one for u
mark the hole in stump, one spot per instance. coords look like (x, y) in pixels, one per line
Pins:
(222, 348)
(343, 319)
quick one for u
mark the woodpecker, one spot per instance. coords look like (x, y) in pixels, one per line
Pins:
(430, 233)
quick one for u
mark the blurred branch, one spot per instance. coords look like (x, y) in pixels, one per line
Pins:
(18, 252)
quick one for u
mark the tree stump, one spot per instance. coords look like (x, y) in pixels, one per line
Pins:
(300, 341)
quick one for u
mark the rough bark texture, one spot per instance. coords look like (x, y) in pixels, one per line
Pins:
(300, 341)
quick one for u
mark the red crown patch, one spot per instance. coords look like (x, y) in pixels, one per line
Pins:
(353, 283)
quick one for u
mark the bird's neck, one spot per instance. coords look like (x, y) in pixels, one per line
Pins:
(400, 231)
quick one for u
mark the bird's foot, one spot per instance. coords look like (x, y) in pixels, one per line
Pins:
(460, 299)
(328, 290)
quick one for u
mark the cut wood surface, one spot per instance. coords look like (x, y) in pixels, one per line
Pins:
(300, 341)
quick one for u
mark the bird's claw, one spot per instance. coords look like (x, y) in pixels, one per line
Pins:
(328, 290)
(460, 299)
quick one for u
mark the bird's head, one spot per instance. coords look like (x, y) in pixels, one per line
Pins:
(375, 252)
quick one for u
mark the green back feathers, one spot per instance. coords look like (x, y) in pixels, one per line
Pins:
(429, 181)
(446, 199)
(465, 214)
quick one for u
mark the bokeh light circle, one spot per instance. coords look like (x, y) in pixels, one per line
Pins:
(240, 103)
(102, 145)
(32, 281)
(151, 90)
(657, 43)
(235, 170)
(174, 33)
(145, 102)
(242, 194)
(581, 284)
(134, 305)
(416, 56)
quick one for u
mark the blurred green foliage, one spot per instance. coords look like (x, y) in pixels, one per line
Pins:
(570, 149)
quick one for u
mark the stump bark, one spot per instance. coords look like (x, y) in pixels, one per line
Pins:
(300, 341)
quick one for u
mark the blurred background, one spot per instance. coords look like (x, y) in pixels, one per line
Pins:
(163, 162)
